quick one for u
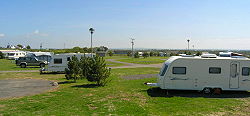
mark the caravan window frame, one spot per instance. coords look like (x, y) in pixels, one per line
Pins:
(164, 70)
(183, 73)
(58, 60)
(244, 74)
(211, 72)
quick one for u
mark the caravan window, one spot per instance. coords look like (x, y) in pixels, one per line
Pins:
(214, 70)
(179, 70)
(57, 61)
(68, 58)
(245, 71)
(164, 69)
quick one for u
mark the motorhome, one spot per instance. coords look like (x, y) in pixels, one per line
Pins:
(59, 62)
(207, 73)
(15, 54)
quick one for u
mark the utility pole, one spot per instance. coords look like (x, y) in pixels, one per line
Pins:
(188, 43)
(91, 30)
(41, 46)
(132, 42)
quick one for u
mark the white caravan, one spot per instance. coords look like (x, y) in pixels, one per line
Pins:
(207, 72)
(15, 54)
(59, 62)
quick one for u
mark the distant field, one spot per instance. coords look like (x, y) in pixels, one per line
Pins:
(141, 60)
(9, 65)
(119, 97)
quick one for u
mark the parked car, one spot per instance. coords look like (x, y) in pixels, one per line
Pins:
(30, 61)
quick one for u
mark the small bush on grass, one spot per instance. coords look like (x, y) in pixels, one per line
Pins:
(94, 69)
(136, 55)
(145, 54)
(73, 70)
(1, 55)
(99, 72)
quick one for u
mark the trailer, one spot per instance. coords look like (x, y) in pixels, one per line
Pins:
(59, 62)
(15, 54)
(208, 73)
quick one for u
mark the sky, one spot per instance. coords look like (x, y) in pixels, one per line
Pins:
(162, 24)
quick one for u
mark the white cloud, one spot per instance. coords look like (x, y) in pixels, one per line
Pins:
(2, 35)
(37, 33)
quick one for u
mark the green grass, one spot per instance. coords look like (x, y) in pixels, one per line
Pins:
(9, 65)
(149, 60)
(119, 97)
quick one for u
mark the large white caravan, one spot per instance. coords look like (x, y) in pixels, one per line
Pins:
(15, 54)
(59, 62)
(208, 73)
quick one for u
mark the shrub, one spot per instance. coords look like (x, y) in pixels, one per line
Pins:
(73, 70)
(129, 53)
(110, 53)
(98, 72)
(145, 54)
(136, 55)
(151, 53)
(1, 55)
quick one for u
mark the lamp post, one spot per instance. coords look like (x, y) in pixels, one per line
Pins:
(188, 44)
(132, 46)
(91, 30)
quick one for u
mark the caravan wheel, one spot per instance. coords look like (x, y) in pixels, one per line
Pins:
(207, 90)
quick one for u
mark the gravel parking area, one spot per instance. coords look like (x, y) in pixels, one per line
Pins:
(23, 87)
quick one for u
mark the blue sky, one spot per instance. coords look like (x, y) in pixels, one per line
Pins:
(209, 24)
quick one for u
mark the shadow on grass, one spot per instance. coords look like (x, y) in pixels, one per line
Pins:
(66, 82)
(28, 67)
(86, 86)
(157, 92)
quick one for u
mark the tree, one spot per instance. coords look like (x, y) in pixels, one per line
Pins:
(73, 70)
(145, 54)
(129, 53)
(98, 72)
(151, 53)
(136, 55)
(28, 47)
(110, 53)
(19, 45)
(1, 55)
(198, 53)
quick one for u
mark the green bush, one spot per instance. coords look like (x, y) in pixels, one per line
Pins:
(1, 55)
(110, 53)
(136, 55)
(98, 72)
(93, 69)
(73, 70)
(145, 54)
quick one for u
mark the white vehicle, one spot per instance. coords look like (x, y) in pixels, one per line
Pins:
(205, 73)
(59, 62)
(15, 54)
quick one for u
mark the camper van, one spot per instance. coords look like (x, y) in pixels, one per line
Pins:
(59, 62)
(207, 73)
(15, 54)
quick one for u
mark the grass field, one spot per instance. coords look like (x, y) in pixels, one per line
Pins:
(149, 60)
(119, 97)
(9, 65)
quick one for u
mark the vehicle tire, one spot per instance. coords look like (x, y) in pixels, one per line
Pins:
(42, 65)
(207, 90)
(23, 65)
(217, 91)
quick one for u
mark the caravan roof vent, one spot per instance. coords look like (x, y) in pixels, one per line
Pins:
(208, 55)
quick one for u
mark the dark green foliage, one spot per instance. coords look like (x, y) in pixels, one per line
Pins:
(198, 53)
(172, 54)
(98, 72)
(94, 69)
(136, 55)
(19, 45)
(189, 53)
(1, 55)
(110, 53)
(151, 53)
(73, 70)
(157, 53)
(129, 53)
(28, 47)
(145, 54)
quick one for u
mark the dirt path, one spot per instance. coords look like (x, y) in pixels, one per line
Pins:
(23, 87)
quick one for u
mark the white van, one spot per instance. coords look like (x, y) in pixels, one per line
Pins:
(59, 62)
(208, 73)
(15, 54)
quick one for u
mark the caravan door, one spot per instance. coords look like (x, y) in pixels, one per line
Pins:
(234, 75)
